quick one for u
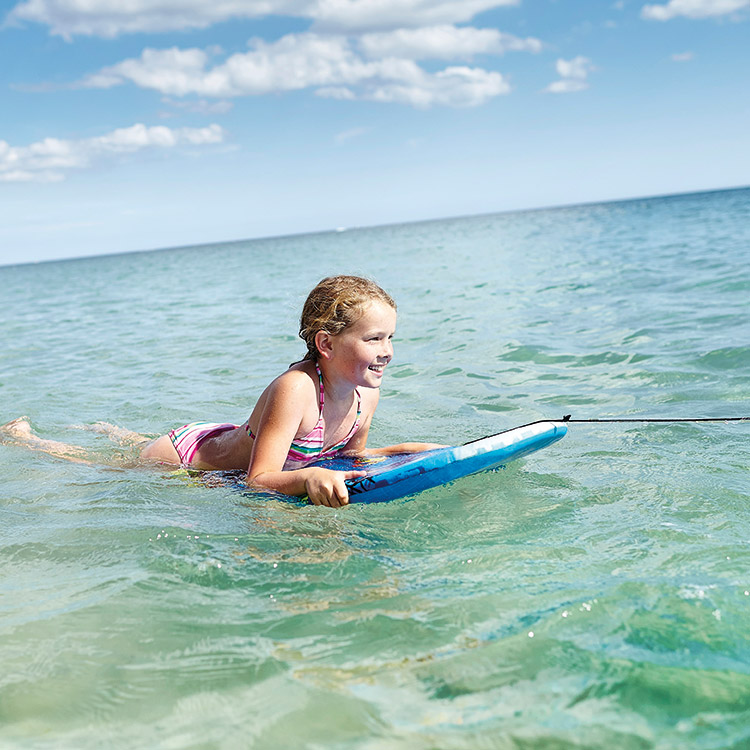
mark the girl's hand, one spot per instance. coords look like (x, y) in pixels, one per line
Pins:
(327, 487)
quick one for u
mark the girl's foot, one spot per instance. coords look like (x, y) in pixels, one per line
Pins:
(18, 430)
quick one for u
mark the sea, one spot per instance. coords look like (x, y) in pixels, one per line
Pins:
(595, 594)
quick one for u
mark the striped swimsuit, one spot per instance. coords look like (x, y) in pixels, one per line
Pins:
(188, 438)
(309, 448)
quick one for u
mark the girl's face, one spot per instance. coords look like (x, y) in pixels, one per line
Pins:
(361, 352)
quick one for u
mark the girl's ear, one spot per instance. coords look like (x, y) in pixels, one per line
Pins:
(323, 341)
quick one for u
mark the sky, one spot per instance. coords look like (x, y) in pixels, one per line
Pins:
(163, 123)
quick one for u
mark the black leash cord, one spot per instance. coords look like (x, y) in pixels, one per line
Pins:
(567, 418)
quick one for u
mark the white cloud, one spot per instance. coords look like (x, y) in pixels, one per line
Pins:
(443, 43)
(171, 71)
(334, 59)
(296, 61)
(682, 56)
(573, 74)
(578, 67)
(389, 14)
(328, 64)
(48, 160)
(452, 87)
(693, 9)
(110, 18)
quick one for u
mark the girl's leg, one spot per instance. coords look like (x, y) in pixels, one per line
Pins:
(18, 432)
(161, 450)
(115, 433)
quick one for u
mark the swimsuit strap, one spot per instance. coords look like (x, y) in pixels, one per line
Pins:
(322, 397)
(359, 408)
(311, 445)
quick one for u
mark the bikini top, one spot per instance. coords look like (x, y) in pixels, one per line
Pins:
(305, 449)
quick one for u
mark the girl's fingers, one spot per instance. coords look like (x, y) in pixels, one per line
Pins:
(354, 474)
(331, 497)
(340, 492)
(334, 494)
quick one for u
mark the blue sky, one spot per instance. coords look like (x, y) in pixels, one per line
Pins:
(160, 123)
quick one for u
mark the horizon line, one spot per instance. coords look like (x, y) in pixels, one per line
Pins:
(339, 230)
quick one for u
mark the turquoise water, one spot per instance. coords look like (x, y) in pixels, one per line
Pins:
(595, 594)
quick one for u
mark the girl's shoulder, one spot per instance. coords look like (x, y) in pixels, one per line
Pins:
(298, 378)
(294, 391)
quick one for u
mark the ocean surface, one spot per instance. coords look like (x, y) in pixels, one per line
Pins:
(593, 595)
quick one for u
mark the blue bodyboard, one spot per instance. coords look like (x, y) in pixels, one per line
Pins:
(392, 477)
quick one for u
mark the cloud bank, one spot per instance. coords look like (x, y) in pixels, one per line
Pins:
(111, 18)
(355, 50)
(443, 43)
(693, 9)
(49, 159)
(331, 65)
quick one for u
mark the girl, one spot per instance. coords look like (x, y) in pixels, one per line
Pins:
(321, 406)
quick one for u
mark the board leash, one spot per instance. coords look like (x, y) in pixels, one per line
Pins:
(567, 418)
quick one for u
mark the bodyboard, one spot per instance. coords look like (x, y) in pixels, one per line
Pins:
(393, 477)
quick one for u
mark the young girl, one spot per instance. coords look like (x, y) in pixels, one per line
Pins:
(321, 406)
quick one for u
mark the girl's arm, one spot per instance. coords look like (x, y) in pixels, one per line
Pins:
(288, 398)
(322, 486)
(392, 450)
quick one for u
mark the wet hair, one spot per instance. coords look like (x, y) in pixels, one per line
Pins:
(334, 304)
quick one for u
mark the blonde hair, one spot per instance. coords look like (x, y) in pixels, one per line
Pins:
(334, 304)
